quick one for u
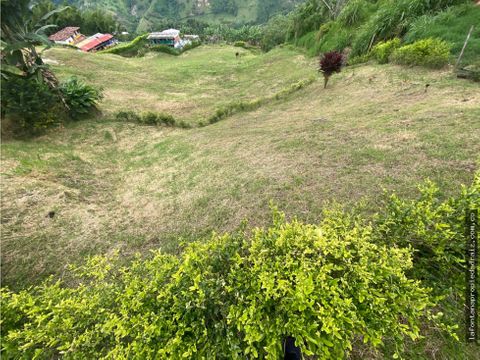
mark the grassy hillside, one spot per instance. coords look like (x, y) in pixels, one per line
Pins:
(116, 186)
(191, 86)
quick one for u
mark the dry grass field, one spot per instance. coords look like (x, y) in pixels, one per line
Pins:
(117, 186)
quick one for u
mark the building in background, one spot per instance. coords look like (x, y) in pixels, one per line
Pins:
(67, 36)
(97, 42)
(170, 37)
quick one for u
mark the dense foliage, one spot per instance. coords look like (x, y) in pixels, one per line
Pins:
(384, 49)
(21, 36)
(31, 105)
(451, 25)
(140, 16)
(435, 229)
(130, 49)
(224, 6)
(32, 98)
(432, 53)
(322, 26)
(229, 297)
(90, 21)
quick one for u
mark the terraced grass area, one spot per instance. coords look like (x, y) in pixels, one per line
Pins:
(191, 86)
(132, 188)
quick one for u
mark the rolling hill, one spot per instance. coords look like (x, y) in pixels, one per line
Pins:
(117, 185)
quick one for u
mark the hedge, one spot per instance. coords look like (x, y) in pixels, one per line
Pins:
(239, 295)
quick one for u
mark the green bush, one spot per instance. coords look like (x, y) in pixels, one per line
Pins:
(435, 228)
(129, 49)
(191, 46)
(232, 296)
(274, 32)
(30, 104)
(148, 118)
(80, 97)
(360, 59)
(433, 53)
(241, 44)
(127, 116)
(384, 49)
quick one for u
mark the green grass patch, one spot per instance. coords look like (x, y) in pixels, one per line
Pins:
(190, 86)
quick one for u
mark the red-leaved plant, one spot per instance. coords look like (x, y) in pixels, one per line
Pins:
(330, 63)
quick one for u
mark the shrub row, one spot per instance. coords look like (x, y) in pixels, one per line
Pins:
(150, 118)
(239, 295)
(140, 46)
(241, 106)
(169, 50)
(129, 49)
(433, 53)
(163, 49)
(243, 44)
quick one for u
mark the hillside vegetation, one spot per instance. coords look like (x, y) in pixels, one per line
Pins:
(100, 186)
(139, 184)
(361, 24)
(123, 186)
(142, 15)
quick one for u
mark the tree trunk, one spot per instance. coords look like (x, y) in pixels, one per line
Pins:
(326, 78)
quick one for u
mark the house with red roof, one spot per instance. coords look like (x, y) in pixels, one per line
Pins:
(97, 42)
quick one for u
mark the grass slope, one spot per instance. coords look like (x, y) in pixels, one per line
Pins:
(116, 186)
(191, 86)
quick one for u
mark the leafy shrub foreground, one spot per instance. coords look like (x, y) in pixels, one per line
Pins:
(226, 298)
(236, 296)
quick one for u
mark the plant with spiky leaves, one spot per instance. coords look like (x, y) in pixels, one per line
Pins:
(330, 63)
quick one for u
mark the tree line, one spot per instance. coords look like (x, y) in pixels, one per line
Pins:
(90, 21)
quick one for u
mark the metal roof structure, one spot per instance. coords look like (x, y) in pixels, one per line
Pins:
(93, 41)
(166, 34)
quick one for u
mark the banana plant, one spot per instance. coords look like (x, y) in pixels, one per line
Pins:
(20, 38)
